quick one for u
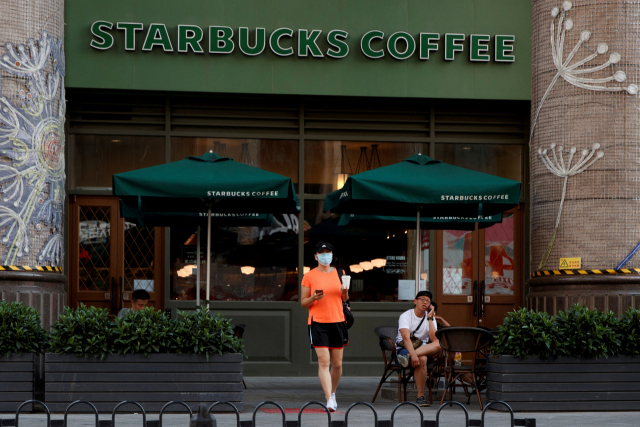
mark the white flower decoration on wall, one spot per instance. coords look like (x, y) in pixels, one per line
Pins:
(576, 72)
(563, 169)
(32, 149)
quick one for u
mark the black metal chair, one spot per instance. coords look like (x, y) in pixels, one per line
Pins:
(387, 336)
(238, 331)
(473, 342)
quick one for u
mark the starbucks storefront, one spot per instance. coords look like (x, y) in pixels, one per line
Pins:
(315, 94)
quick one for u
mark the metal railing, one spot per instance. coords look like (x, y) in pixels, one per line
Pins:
(14, 422)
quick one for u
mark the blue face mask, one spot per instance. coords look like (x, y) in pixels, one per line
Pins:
(325, 259)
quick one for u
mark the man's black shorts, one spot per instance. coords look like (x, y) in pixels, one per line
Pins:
(328, 335)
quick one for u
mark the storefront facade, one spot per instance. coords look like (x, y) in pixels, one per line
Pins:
(315, 91)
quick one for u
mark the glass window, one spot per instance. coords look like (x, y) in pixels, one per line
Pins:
(456, 262)
(95, 158)
(247, 263)
(278, 156)
(499, 257)
(327, 164)
(500, 160)
(381, 261)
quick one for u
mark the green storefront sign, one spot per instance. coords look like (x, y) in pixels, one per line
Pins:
(455, 49)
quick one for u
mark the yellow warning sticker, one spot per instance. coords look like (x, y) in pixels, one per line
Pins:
(569, 263)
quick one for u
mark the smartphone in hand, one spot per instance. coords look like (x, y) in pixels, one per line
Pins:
(319, 292)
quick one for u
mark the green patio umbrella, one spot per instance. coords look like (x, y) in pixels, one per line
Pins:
(200, 183)
(207, 183)
(433, 223)
(420, 185)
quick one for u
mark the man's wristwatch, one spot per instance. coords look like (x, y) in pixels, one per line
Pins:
(430, 318)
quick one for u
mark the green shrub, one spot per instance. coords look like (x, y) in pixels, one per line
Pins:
(629, 331)
(527, 333)
(587, 333)
(201, 332)
(143, 332)
(88, 331)
(85, 331)
(21, 330)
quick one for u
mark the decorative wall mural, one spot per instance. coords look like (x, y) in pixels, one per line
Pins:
(563, 169)
(574, 73)
(575, 65)
(32, 150)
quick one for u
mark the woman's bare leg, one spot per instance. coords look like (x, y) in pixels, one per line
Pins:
(324, 359)
(336, 367)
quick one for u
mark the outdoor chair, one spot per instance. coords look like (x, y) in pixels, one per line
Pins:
(387, 336)
(471, 342)
(238, 331)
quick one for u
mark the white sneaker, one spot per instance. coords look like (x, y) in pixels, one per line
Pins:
(333, 396)
(331, 405)
(403, 361)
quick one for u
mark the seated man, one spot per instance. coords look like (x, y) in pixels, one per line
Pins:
(139, 300)
(418, 322)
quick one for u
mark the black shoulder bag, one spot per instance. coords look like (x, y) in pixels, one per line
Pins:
(345, 306)
(415, 341)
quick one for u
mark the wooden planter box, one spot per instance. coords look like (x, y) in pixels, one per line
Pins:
(16, 381)
(151, 381)
(565, 384)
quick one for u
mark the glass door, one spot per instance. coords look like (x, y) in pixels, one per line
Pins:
(110, 258)
(478, 273)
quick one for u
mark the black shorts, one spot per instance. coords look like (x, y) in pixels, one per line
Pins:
(328, 335)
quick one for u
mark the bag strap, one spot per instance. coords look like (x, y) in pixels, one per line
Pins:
(339, 271)
(419, 324)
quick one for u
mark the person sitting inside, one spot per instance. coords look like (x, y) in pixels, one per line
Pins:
(139, 300)
(417, 328)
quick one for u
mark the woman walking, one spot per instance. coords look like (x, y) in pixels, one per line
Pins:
(323, 294)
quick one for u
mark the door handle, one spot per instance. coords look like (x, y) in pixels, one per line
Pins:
(482, 288)
(113, 296)
(121, 296)
(475, 295)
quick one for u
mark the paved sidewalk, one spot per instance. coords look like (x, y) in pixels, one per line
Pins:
(295, 392)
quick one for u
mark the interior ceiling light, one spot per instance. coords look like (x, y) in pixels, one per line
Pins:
(247, 269)
(355, 268)
(379, 262)
(366, 265)
(305, 270)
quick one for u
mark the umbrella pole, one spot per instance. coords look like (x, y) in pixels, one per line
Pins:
(208, 254)
(418, 251)
(198, 268)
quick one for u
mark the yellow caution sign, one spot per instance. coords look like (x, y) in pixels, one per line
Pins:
(570, 263)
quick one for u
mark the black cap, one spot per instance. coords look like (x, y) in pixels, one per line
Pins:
(424, 294)
(323, 245)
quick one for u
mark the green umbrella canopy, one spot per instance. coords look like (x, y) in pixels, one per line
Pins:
(198, 183)
(427, 223)
(181, 219)
(419, 181)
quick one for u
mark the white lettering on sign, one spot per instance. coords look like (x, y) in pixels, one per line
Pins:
(484, 197)
(242, 193)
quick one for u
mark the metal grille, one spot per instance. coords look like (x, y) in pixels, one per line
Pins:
(94, 249)
(139, 254)
(121, 111)
(345, 119)
(191, 115)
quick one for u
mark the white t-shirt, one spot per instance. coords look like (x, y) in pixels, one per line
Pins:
(409, 320)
